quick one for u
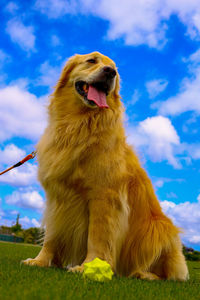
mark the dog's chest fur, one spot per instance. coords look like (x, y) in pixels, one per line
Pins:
(68, 174)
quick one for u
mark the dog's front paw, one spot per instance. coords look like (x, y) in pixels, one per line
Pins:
(34, 262)
(145, 275)
(76, 269)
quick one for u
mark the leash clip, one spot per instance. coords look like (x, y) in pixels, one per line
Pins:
(33, 154)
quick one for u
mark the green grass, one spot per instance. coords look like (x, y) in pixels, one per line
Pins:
(24, 282)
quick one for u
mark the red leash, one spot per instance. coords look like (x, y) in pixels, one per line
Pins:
(28, 157)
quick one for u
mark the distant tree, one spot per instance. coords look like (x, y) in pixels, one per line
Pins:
(191, 254)
(32, 235)
(17, 227)
(5, 230)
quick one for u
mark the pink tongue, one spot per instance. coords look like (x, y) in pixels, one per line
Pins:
(98, 97)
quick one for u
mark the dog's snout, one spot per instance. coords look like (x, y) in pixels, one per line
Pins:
(110, 72)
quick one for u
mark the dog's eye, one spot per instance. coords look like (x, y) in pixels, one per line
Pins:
(92, 61)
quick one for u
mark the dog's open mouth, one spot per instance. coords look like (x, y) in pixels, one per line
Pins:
(94, 94)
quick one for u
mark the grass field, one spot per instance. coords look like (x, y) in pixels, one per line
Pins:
(24, 282)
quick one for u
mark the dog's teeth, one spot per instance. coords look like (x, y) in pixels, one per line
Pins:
(85, 88)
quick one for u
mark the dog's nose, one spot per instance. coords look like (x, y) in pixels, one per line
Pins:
(110, 72)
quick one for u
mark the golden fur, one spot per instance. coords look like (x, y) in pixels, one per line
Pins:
(100, 201)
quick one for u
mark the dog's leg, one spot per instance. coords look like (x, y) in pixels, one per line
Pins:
(104, 216)
(43, 259)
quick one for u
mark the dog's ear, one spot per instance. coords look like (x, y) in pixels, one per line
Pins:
(71, 63)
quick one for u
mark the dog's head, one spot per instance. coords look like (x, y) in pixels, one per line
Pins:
(90, 81)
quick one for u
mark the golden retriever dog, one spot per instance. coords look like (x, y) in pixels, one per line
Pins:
(100, 201)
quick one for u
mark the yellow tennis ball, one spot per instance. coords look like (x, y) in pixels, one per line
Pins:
(98, 270)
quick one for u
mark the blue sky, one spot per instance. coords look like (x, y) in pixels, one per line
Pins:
(156, 46)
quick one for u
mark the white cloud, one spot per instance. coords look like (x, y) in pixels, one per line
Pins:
(49, 74)
(21, 34)
(29, 199)
(159, 182)
(144, 22)
(56, 8)
(4, 57)
(193, 150)
(1, 213)
(55, 41)
(1, 210)
(195, 239)
(171, 195)
(155, 87)
(22, 114)
(4, 60)
(11, 7)
(187, 99)
(26, 175)
(27, 222)
(198, 198)
(166, 205)
(35, 223)
(158, 138)
(21, 83)
(160, 128)
(194, 58)
(11, 154)
(135, 97)
(191, 125)
(14, 212)
(137, 22)
(187, 216)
